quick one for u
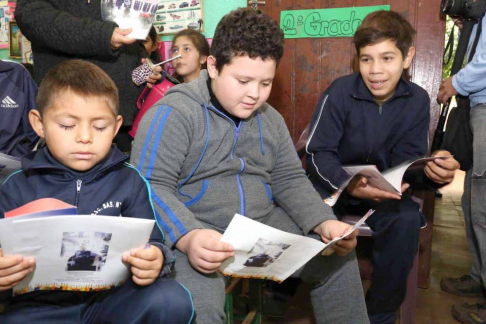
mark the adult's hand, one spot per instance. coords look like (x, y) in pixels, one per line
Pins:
(119, 38)
(446, 90)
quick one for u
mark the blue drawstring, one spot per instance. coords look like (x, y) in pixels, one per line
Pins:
(261, 135)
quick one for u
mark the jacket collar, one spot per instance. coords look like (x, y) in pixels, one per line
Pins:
(42, 160)
(360, 91)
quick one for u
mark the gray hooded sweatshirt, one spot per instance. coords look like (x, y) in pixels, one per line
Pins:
(203, 168)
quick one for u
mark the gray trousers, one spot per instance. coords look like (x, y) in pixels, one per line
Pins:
(337, 294)
(474, 198)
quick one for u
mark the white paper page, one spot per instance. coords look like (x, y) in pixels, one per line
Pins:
(8, 165)
(375, 178)
(349, 231)
(138, 15)
(74, 252)
(263, 252)
(395, 175)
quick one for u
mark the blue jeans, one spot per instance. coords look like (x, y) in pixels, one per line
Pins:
(474, 198)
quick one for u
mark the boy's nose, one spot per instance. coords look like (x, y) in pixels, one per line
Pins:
(84, 136)
(254, 92)
(376, 67)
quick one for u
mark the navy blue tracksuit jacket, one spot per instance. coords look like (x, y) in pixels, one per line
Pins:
(18, 93)
(111, 188)
(349, 128)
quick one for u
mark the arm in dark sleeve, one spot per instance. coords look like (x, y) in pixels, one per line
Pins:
(44, 24)
(141, 207)
(415, 143)
(326, 131)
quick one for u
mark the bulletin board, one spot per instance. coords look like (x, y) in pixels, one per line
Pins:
(173, 16)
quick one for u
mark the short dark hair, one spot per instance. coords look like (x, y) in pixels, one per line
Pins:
(245, 31)
(198, 40)
(384, 25)
(81, 77)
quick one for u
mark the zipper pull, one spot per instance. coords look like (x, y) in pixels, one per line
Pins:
(78, 185)
(380, 109)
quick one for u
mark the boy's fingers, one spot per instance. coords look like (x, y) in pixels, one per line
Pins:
(215, 257)
(143, 274)
(137, 262)
(218, 246)
(10, 261)
(149, 254)
(10, 281)
(207, 267)
(142, 282)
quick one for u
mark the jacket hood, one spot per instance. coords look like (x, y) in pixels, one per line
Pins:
(42, 159)
(197, 90)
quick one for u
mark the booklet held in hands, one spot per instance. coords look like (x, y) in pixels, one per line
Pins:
(264, 252)
(389, 180)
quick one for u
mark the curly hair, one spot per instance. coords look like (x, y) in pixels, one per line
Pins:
(245, 31)
(382, 25)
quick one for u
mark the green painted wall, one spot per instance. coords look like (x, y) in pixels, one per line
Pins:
(4, 55)
(213, 11)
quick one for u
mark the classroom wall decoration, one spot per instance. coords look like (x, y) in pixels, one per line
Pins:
(174, 16)
(336, 22)
(14, 40)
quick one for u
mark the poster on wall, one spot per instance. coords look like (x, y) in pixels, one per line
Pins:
(174, 16)
(14, 40)
(3, 24)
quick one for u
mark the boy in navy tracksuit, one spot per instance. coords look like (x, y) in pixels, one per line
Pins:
(78, 117)
(17, 98)
(377, 117)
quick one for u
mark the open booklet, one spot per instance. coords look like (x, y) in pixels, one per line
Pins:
(8, 165)
(263, 252)
(389, 180)
(138, 15)
(79, 253)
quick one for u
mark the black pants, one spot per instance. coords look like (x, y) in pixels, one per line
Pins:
(396, 228)
(164, 301)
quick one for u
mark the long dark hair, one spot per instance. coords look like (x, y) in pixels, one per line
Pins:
(155, 55)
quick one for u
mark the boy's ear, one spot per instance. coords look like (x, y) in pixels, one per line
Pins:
(35, 120)
(212, 70)
(408, 59)
(118, 123)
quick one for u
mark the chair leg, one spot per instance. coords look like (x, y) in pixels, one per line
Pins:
(407, 309)
(256, 299)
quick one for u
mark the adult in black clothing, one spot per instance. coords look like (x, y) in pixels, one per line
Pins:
(67, 29)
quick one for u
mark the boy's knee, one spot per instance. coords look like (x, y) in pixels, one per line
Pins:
(169, 295)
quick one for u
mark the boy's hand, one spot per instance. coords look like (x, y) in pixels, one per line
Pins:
(204, 249)
(358, 187)
(119, 38)
(446, 90)
(13, 269)
(145, 264)
(441, 171)
(331, 229)
(155, 76)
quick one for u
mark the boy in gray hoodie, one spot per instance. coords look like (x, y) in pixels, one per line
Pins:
(213, 147)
